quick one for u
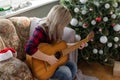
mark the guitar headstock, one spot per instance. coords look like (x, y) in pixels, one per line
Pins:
(90, 35)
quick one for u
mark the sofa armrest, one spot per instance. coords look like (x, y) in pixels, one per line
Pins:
(70, 37)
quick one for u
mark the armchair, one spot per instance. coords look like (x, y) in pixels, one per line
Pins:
(15, 31)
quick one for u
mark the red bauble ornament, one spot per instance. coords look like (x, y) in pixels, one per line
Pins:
(113, 24)
(98, 19)
(85, 25)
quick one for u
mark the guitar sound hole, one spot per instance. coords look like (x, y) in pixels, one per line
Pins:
(58, 55)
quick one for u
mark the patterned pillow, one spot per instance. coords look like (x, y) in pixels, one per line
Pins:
(10, 37)
(22, 25)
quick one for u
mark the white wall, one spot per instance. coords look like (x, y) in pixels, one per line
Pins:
(40, 11)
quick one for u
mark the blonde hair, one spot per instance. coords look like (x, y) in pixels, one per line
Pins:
(59, 16)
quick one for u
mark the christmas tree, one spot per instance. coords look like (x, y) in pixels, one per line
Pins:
(103, 17)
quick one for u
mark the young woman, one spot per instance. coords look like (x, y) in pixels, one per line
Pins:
(50, 29)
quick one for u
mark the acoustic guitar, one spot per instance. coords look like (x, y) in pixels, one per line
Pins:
(41, 69)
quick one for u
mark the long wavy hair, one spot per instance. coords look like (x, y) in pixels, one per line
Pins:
(58, 17)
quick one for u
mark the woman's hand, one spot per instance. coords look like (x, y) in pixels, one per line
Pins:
(82, 45)
(52, 60)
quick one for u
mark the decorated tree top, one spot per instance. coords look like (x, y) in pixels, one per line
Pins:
(102, 16)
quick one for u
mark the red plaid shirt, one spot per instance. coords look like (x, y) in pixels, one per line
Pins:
(39, 36)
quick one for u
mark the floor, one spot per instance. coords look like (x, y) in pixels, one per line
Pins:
(100, 71)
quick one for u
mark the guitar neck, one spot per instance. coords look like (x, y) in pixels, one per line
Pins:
(73, 47)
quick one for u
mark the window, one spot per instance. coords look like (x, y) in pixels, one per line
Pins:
(15, 4)
(20, 6)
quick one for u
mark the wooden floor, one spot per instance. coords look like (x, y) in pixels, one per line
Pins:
(100, 71)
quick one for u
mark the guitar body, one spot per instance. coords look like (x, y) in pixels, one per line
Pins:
(42, 70)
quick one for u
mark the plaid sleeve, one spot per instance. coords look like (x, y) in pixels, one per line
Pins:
(33, 42)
